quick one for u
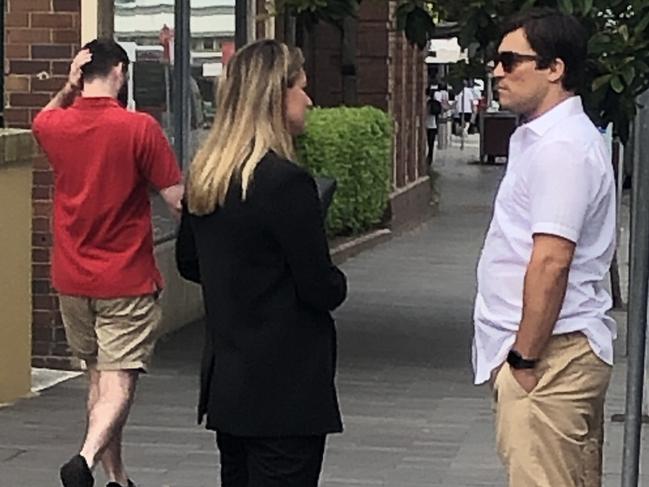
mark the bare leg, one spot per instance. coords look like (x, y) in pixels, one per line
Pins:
(109, 402)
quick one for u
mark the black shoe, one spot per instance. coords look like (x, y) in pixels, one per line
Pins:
(115, 484)
(76, 473)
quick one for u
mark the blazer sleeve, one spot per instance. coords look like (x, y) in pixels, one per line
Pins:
(296, 221)
(186, 255)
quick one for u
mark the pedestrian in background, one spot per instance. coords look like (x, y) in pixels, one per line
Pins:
(541, 330)
(252, 233)
(104, 160)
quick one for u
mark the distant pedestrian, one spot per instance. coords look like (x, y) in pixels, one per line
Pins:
(252, 233)
(105, 160)
(437, 104)
(542, 334)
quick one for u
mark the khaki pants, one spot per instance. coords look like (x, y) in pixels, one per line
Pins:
(553, 436)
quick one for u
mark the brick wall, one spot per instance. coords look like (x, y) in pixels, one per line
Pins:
(49, 347)
(41, 37)
(390, 76)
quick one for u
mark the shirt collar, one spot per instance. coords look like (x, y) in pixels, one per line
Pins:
(567, 108)
(82, 102)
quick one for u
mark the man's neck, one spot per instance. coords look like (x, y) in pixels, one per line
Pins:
(550, 102)
(98, 89)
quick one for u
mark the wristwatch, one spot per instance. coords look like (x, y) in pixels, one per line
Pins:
(517, 361)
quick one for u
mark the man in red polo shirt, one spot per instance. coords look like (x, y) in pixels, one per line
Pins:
(105, 159)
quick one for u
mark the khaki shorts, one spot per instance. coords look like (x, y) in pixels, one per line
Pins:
(112, 334)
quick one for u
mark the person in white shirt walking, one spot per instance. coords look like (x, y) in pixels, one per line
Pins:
(542, 335)
(437, 103)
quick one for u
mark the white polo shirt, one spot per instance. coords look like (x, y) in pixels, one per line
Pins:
(559, 181)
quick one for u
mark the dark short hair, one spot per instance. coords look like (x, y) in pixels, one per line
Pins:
(106, 54)
(554, 35)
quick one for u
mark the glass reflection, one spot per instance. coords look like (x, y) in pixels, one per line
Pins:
(147, 25)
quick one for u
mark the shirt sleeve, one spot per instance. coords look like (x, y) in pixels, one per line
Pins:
(296, 221)
(561, 186)
(44, 123)
(156, 159)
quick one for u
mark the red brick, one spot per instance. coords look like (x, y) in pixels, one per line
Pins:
(43, 336)
(373, 42)
(51, 51)
(30, 5)
(15, 116)
(41, 239)
(28, 99)
(41, 271)
(66, 36)
(28, 36)
(57, 20)
(67, 6)
(375, 11)
(43, 302)
(17, 51)
(17, 19)
(41, 347)
(38, 361)
(16, 83)
(43, 318)
(41, 224)
(60, 67)
(41, 256)
(50, 85)
(372, 76)
(41, 286)
(42, 178)
(28, 67)
(42, 208)
(40, 162)
(41, 193)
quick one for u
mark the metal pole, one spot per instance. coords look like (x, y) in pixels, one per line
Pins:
(182, 94)
(240, 23)
(637, 315)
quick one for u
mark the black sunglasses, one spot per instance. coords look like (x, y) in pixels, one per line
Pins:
(510, 60)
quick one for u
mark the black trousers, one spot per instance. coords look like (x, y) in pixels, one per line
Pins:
(294, 461)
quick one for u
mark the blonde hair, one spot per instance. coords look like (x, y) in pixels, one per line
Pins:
(250, 120)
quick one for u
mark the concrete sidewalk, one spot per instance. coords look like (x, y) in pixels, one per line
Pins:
(412, 416)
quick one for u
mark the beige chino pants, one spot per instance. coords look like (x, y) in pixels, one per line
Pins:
(553, 436)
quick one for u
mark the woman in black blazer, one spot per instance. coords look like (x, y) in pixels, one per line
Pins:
(252, 234)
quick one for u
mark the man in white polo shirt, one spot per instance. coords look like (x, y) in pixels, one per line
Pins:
(542, 335)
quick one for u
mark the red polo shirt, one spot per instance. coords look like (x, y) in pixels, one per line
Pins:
(104, 160)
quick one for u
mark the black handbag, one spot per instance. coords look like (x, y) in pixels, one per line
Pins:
(326, 189)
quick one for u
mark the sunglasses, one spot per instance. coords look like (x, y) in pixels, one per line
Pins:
(510, 60)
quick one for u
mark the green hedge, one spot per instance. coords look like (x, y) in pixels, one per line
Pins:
(354, 146)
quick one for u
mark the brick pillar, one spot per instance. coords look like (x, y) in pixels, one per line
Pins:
(49, 347)
(41, 37)
(409, 96)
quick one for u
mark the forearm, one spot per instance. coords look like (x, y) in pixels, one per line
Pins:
(64, 98)
(543, 295)
(173, 196)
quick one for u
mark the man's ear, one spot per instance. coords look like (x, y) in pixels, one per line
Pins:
(557, 70)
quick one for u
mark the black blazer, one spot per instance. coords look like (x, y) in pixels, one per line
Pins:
(268, 285)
